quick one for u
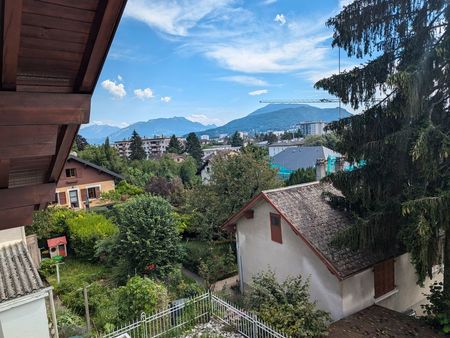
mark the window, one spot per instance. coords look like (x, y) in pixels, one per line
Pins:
(275, 228)
(384, 277)
(72, 172)
(73, 196)
(93, 192)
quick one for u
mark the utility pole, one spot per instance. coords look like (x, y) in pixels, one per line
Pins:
(86, 309)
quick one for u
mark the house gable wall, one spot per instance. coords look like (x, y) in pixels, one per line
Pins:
(85, 175)
(358, 290)
(257, 252)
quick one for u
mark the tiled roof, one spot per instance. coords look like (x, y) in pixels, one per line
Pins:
(317, 222)
(92, 165)
(294, 158)
(18, 276)
(377, 321)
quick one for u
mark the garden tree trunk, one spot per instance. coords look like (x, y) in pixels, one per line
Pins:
(446, 260)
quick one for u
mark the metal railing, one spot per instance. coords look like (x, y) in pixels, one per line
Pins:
(184, 316)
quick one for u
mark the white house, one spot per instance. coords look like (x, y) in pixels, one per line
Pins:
(289, 230)
(23, 311)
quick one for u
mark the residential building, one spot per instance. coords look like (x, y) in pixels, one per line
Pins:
(206, 169)
(23, 311)
(216, 149)
(289, 231)
(312, 128)
(82, 182)
(278, 147)
(204, 137)
(153, 147)
(179, 158)
(293, 158)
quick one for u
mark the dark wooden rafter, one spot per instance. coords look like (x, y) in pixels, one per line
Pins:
(26, 196)
(65, 140)
(104, 27)
(12, 19)
(5, 165)
(19, 108)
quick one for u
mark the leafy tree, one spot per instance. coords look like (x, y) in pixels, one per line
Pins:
(188, 171)
(288, 135)
(403, 190)
(136, 148)
(51, 222)
(270, 138)
(104, 156)
(141, 295)
(302, 176)
(80, 143)
(328, 140)
(235, 179)
(171, 190)
(148, 236)
(286, 306)
(122, 192)
(236, 140)
(194, 148)
(175, 145)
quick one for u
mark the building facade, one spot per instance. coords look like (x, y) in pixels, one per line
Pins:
(289, 230)
(82, 182)
(312, 128)
(153, 147)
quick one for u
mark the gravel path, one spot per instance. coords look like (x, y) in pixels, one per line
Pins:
(210, 330)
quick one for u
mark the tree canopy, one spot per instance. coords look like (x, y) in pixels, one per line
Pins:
(194, 148)
(236, 140)
(401, 196)
(136, 148)
(175, 146)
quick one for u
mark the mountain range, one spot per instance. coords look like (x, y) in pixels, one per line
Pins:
(268, 118)
(96, 134)
(277, 117)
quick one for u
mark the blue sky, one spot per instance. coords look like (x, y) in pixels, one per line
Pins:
(213, 60)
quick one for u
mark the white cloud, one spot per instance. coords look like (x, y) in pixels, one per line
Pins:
(119, 77)
(166, 99)
(258, 92)
(205, 120)
(174, 17)
(245, 80)
(115, 89)
(269, 2)
(280, 19)
(143, 94)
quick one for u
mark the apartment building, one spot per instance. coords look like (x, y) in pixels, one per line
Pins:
(312, 128)
(153, 147)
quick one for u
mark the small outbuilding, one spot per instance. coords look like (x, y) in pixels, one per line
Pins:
(57, 246)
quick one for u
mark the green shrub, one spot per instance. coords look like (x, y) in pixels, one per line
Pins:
(122, 192)
(48, 267)
(69, 323)
(148, 236)
(438, 310)
(140, 295)
(286, 306)
(85, 230)
(180, 286)
(212, 260)
(51, 222)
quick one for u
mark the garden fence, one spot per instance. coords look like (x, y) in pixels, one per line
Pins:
(179, 318)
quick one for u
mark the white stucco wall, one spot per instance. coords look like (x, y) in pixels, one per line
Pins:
(257, 252)
(358, 290)
(28, 320)
(12, 235)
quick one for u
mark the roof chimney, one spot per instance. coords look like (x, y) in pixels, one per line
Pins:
(320, 169)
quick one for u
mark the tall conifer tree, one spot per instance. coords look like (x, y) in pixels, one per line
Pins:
(194, 148)
(401, 197)
(137, 150)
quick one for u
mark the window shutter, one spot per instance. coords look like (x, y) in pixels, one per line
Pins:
(97, 192)
(384, 277)
(83, 193)
(62, 198)
(275, 228)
